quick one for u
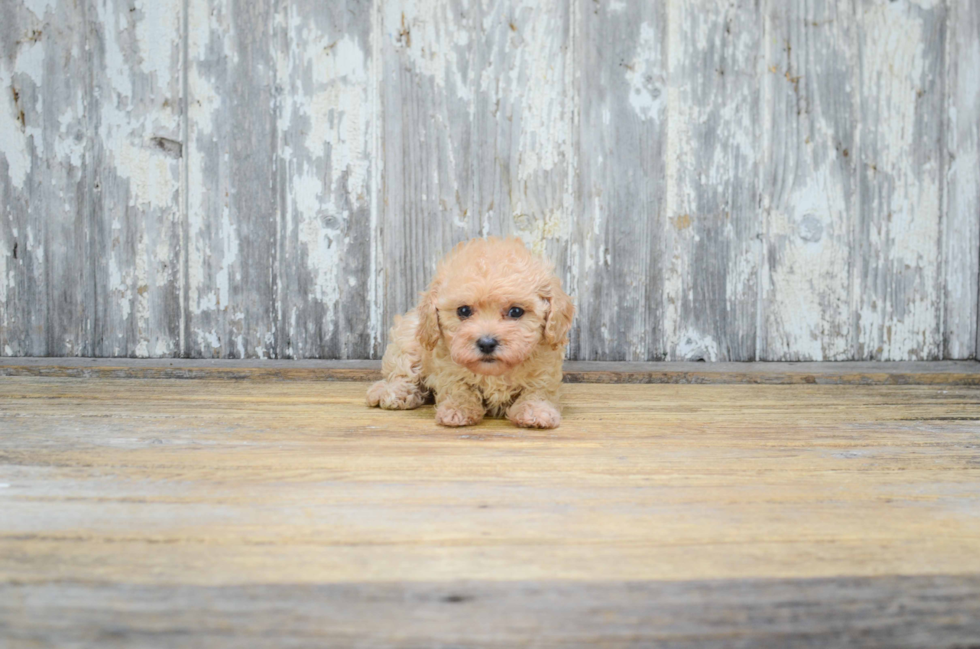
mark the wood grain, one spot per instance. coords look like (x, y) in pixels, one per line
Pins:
(809, 189)
(48, 182)
(897, 284)
(716, 180)
(202, 512)
(842, 373)
(477, 136)
(137, 220)
(711, 249)
(939, 612)
(614, 253)
(961, 191)
(327, 180)
(231, 182)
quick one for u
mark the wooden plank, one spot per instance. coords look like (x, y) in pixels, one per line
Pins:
(961, 256)
(251, 369)
(327, 122)
(136, 512)
(47, 116)
(711, 246)
(842, 373)
(898, 286)
(808, 178)
(617, 238)
(313, 487)
(477, 132)
(936, 611)
(230, 181)
(137, 224)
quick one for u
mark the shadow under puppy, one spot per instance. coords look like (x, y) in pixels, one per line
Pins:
(488, 337)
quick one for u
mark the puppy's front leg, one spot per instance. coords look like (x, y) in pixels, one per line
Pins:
(535, 410)
(460, 406)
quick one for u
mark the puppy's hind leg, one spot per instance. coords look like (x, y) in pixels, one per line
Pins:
(401, 389)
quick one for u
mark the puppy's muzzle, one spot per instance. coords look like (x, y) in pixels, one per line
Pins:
(487, 345)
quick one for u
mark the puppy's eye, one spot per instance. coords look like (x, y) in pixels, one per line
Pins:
(464, 312)
(515, 312)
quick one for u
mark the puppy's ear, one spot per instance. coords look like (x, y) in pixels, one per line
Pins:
(428, 332)
(559, 318)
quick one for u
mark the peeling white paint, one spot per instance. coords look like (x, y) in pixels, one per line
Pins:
(962, 190)
(507, 77)
(229, 248)
(430, 32)
(332, 98)
(158, 21)
(208, 32)
(905, 238)
(17, 138)
(38, 7)
(693, 346)
(642, 75)
(813, 263)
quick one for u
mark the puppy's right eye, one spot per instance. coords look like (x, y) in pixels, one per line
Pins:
(464, 312)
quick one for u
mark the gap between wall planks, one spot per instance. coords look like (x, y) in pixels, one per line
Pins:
(715, 180)
(841, 373)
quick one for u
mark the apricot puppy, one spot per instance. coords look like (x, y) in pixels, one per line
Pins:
(488, 337)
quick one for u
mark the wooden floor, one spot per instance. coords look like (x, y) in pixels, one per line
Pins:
(218, 513)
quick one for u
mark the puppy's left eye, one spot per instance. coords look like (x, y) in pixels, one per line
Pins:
(515, 312)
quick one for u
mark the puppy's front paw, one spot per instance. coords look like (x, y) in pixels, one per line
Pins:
(535, 414)
(395, 395)
(448, 414)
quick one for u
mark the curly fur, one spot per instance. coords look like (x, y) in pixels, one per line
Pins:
(433, 352)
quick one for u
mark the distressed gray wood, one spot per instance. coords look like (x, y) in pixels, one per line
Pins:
(618, 239)
(898, 287)
(477, 137)
(961, 256)
(928, 611)
(136, 45)
(711, 248)
(327, 179)
(809, 184)
(720, 180)
(47, 191)
(231, 224)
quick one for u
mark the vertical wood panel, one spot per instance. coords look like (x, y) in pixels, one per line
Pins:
(137, 220)
(808, 180)
(326, 179)
(712, 250)
(897, 281)
(22, 304)
(46, 169)
(618, 233)
(962, 189)
(478, 132)
(232, 232)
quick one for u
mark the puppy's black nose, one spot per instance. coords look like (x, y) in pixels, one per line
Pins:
(487, 344)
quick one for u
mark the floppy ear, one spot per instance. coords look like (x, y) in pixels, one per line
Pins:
(428, 331)
(559, 318)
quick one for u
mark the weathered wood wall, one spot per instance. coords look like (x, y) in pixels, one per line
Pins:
(715, 179)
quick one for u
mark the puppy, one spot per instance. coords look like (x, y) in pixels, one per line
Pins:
(487, 338)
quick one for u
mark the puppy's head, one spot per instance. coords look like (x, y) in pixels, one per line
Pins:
(492, 303)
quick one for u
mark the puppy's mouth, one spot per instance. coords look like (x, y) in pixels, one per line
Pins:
(488, 359)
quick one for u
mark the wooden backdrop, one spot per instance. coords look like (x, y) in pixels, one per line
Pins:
(740, 180)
